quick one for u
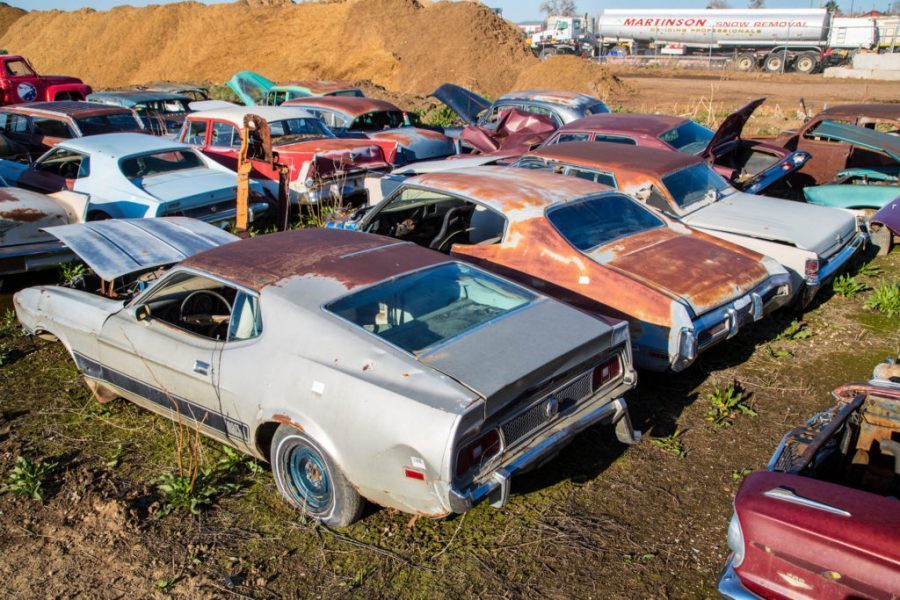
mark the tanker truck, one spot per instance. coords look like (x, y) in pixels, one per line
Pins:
(775, 40)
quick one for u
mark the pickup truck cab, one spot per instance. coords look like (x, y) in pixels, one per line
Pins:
(19, 82)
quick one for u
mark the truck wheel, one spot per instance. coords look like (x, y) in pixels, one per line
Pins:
(744, 62)
(547, 53)
(308, 479)
(774, 62)
(807, 63)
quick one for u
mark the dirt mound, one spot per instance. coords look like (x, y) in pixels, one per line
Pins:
(572, 73)
(401, 45)
(8, 15)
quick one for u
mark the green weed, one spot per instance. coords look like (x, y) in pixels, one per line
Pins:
(671, 444)
(797, 330)
(777, 354)
(726, 404)
(27, 478)
(440, 116)
(885, 298)
(870, 270)
(72, 273)
(739, 475)
(193, 492)
(5, 354)
(848, 287)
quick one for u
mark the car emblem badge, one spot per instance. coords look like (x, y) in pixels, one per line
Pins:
(26, 92)
(551, 408)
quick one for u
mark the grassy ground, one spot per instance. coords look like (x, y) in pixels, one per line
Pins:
(600, 520)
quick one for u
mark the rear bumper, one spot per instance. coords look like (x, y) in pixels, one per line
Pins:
(784, 167)
(220, 217)
(835, 265)
(33, 257)
(496, 486)
(730, 586)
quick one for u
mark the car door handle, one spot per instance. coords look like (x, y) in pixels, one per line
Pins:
(786, 495)
(201, 367)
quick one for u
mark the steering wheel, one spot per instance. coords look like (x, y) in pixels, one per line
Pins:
(70, 170)
(204, 317)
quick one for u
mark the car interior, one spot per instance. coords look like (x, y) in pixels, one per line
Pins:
(64, 163)
(436, 220)
(746, 158)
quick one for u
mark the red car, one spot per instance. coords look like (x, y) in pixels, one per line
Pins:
(750, 165)
(824, 520)
(19, 82)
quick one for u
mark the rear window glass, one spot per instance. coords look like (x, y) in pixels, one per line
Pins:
(162, 162)
(421, 310)
(593, 222)
(109, 123)
(689, 137)
(378, 121)
(596, 109)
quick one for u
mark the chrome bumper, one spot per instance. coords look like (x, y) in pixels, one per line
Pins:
(230, 215)
(33, 257)
(834, 265)
(497, 484)
(730, 586)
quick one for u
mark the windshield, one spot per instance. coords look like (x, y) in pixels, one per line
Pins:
(596, 109)
(108, 123)
(162, 107)
(423, 309)
(19, 68)
(147, 165)
(590, 223)
(379, 120)
(694, 184)
(288, 131)
(689, 137)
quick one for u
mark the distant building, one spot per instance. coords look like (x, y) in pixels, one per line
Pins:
(531, 27)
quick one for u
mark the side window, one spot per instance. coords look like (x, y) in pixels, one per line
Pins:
(52, 128)
(595, 176)
(811, 132)
(246, 319)
(570, 137)
(494, 115)
(195, 304)
(276, 98)
(614, 139)
(64, 163)
(654, 197)
(225, 135)
(540, 110)
(196, 133)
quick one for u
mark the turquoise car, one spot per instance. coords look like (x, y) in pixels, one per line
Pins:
(253, 89)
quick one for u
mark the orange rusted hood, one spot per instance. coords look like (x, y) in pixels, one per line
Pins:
(702, 272)
(334, 155)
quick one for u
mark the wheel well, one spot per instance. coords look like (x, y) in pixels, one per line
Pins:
(98, 215)
(264, 435)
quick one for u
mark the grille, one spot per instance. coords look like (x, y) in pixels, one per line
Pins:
(536, 416)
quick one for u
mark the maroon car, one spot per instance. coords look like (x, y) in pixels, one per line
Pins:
(750, 165)
(824, 520)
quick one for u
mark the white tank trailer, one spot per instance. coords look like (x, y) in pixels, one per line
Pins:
(776, 40)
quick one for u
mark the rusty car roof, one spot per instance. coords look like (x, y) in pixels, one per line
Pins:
(631, 122)
(352, 258)
(877, 111)
(565, 98)
(507, 188)
(353, 106)
(640, 159)
(69, 108)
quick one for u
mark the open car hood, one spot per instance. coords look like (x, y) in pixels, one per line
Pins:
(250, 86)
(119, 247)
(732, 126)
(860, 136)
(468, 105)
(889, 216)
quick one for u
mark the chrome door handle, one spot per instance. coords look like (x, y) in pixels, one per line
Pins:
(786, 495)
(201, 367)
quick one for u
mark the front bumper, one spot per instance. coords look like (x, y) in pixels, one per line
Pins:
(339, 192)
(496, 486)
(23, 258)
(835, 265)
(730, 585)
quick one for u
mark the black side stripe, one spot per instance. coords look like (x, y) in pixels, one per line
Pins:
(215, 420)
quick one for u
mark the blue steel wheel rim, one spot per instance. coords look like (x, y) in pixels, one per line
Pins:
(309, 484)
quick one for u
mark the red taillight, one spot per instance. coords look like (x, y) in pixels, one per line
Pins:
(812, 267)
(607, 371)
(478, 451)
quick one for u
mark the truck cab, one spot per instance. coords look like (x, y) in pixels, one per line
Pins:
(19, 83)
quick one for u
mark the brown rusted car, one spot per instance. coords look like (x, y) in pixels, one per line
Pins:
(681, 290)
(829, 154)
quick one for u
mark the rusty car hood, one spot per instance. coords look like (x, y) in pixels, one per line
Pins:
(731, 127)
(482, 359)
(119, 247)
(23, 215)
(806, 226)
(702, 272)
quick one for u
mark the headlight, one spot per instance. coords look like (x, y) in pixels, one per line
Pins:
(736, 540)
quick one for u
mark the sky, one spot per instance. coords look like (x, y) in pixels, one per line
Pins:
(514, 10)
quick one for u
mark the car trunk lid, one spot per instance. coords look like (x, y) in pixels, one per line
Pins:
(731, 127)
(468, 105)
(250, 87)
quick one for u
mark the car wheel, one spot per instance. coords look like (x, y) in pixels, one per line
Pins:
(744, 62)
(774, 62)
(806, 63)
(308, 479)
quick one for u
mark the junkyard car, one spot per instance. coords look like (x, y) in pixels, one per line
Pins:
(373, 355)
(252, 88)
(19, 83)
(321, 166)
(823, 137)
(379, 120)
(196, 92)
(823, 521)
(814, 243)
(561, 107)
(39, 126)
(750, 165)
(162, 112)
(681, 290)
(130, 175)
(23, 215)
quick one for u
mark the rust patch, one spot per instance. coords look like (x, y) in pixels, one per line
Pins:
(23, 215)
(624, 161)
(286, 420)
(102, 393)
(348, 105)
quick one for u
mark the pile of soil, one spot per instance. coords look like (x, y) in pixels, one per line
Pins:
(404, 46)
(8, 15)
(572, 73)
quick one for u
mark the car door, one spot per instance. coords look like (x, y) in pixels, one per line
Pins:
(55, 171)
(162, 364)
(828, 157)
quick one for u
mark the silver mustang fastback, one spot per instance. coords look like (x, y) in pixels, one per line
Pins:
(359, 366)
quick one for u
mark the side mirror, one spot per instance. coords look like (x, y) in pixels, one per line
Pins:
(142, 312)
(642, 194)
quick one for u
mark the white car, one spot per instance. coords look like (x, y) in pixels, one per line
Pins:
(132, 175)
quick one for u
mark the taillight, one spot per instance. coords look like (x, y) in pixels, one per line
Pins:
(479, 450)
(812, 269)
(607, 371)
